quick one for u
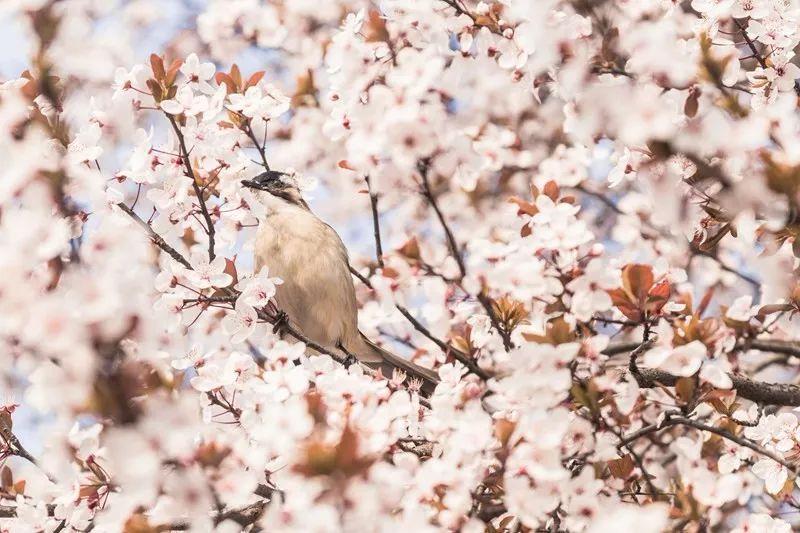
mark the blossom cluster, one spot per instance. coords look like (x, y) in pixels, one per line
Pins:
(583, 217)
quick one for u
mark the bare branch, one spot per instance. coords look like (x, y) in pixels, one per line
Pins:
(423, 167)
(757, 391)
(373, 200)
(447, 348)
(157, 239)
(15, 447)
(690, 422)
(251, 134)
(784, 347)
(460, 356)
(455, 251)
(210, 231)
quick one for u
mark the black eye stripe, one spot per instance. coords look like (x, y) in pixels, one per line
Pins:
(272, 179)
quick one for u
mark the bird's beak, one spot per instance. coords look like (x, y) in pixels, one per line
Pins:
(250, 184)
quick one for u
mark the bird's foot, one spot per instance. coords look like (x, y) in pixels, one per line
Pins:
(281, 323)
(350, 360)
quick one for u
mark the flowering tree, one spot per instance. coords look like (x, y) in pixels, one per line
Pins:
(583, 214)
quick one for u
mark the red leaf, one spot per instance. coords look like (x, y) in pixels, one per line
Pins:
(236, 75)
(524, 206)
(221, 78)
(172, 73)
(658, 296)
(621, 468)
(622, 301)
(157, 64)
(254, 79)
(230, 268)
(551, 190)
(637, 280)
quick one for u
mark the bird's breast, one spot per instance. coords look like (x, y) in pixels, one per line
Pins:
(317, 290)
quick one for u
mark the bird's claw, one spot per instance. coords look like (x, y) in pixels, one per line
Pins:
(281, 321)
(350, 360)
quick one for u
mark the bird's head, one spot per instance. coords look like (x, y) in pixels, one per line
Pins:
(279, 187)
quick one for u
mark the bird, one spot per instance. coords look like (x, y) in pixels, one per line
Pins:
(317, 296)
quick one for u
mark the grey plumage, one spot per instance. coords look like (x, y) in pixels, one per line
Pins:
(317, 292)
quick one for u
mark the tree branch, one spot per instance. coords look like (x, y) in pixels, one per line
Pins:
(423, 166)
(751, 45)
(13, 444)
(16, 448)
(446, 348)
(784, 347)
(756, 391)
(683, 421)
(157, 239)
(251, 134)
(373, 200)
(210, 231)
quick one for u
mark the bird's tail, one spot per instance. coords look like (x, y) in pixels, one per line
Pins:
(378, 358)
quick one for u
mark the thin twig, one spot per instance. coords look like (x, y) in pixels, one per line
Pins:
(690, 422)
(15, 447)
(157, 239)
(210, 231)
(446, 348)
(373, 200)
(423, 167)
(260, 148)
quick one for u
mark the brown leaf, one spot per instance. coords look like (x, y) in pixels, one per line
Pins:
(157, 64)
(305, 90)
(236, 75)
(155, 90)
(621, 468)
(692, 102)
(375, 28)
(587, 396)
(316, 406)
(551, 190)
(557, 331)
(324, 459)
(657, 297)
(510, 312)
(211, 454)
(622, 301)
(138, 523)
(637, 280)
(254, 79)
(6, 478)
(723, 401)
(503, 429)
(172, 72)
(223, 78)
(685, 388)
(410, 249)
(524, 207)
(230, 268)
